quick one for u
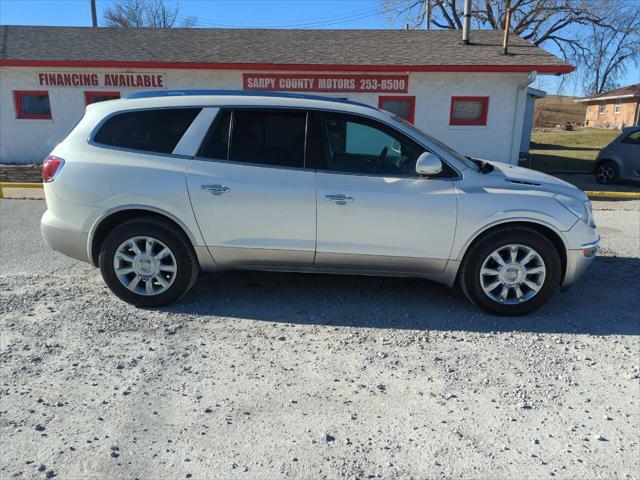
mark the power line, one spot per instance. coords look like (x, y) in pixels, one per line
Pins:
(299, 25)
(301, 21)
(321, 22)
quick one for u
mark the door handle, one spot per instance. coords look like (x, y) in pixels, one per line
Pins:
(339, 199)
(216, 189)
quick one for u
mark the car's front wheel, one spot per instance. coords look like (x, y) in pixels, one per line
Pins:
(511, 271)
(606, 172)
(147, 262)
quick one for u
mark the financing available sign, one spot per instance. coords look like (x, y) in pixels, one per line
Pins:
(321, 82)
(106, 79)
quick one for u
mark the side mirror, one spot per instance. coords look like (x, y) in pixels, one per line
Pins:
(428, 164)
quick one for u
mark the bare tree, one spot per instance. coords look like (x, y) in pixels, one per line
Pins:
(608, 52)
(539, 21)
(146, 13)
(599, 36)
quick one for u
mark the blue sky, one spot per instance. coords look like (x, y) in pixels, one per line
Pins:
(229, 13)
(244, 13)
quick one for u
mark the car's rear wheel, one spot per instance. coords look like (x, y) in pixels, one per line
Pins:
(606, 172)
(147, 262)
(511, 271)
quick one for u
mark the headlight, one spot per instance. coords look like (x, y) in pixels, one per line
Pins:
(592, 221)
(575, 206)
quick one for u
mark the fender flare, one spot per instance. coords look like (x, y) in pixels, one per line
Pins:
(505, 221)
(121, 208)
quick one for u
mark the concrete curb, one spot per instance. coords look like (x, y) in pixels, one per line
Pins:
(4, 185)
(625, 195)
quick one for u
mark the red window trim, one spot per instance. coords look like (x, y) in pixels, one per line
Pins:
(20, 114)
(412, 103)
(479, 122)
(89, 94)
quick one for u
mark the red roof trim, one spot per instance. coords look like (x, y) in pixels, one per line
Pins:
(286, 67)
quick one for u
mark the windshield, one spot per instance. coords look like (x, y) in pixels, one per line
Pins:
(468, 162)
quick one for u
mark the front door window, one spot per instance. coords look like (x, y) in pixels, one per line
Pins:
(357, 145)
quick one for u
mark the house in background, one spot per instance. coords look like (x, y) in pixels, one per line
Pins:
(614, 109)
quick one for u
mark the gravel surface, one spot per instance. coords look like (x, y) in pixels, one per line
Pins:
(267, 375)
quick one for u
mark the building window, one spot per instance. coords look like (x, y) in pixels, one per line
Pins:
(616, 107)
(32, 104)
(602, 109)
(403, 106)
(469, 110)
(95, 97)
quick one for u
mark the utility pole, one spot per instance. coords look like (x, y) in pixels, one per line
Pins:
(94, 17)
(427, 14)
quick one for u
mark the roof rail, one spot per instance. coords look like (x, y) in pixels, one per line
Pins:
(242, 93)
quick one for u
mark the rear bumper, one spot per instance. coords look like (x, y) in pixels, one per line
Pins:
(64, 239)
(578, 261)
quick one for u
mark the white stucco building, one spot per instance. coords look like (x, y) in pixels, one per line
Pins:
(470, 96)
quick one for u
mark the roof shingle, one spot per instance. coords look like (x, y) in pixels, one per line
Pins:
(263, 46)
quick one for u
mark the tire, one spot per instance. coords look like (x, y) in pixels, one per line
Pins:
(520, 300)
(606, 172)
(177, 270)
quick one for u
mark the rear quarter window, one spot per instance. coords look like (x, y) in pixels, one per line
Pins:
(157, 131)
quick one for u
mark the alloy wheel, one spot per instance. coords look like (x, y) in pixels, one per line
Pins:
(512, 274)
(605, 173)
(145, 265)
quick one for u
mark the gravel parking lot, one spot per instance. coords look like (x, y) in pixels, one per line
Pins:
(269, 375)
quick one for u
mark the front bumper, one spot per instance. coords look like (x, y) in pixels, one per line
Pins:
(578, 260)
(63, 238)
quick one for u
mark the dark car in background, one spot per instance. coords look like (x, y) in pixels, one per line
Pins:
(620, 160)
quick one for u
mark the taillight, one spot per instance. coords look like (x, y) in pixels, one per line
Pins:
(51, 167)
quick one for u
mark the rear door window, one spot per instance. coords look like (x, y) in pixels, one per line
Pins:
(157, 131)
(268, 137)
(216, 143)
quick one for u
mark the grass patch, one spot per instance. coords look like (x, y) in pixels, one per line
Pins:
(557, 109)
(562, 151)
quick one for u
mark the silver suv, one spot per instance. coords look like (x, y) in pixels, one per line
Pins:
(159, 186)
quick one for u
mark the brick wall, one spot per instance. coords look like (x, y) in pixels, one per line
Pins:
(29, 173)
(626, 115)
